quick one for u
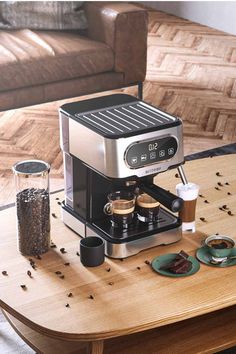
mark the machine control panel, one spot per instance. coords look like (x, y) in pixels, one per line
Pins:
(144, 153)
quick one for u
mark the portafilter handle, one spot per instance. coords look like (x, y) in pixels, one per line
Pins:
(169, 200)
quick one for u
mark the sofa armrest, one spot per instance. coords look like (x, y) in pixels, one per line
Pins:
(123, 27)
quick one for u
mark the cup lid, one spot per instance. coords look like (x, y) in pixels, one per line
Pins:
(31, 168)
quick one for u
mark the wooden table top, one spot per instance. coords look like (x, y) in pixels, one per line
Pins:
(126, 299)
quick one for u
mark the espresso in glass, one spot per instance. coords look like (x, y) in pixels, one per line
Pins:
(120, 208)
(189, 193)
(147, 208)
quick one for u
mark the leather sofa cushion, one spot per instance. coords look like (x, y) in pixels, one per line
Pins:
(31, 58)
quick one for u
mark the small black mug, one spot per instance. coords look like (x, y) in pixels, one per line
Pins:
(92, 251)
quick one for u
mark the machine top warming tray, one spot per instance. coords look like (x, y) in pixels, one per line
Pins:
(119, 115)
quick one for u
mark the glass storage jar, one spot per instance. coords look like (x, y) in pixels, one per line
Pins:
(32, 206)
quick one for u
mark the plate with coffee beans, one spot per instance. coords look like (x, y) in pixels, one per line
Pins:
(176, 264)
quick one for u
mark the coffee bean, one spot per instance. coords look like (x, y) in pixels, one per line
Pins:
(108, 269)
(33, 266)
(57, 198)
(38, 256)
(53, 245)
(91, 297)
(176, 175)
(67, 305)
(110, 283)
(206, 201)
(23, 287)
(218, 174)
(147, 262)
(230, 213)
(225, 207)
(229, 193)
(70, 295)
(62, 276)
(227, 183)
(201, 196)
(67, 264)
(77, 254)
(203, 219)
(138, 268)
(58, 272)
(62, 250)
(29, 273)
(54, 215)
(4, 272)
(217, 188)
(221, 208)
(220, 184)
(59, 203)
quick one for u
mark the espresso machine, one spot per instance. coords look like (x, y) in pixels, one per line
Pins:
(119, 142)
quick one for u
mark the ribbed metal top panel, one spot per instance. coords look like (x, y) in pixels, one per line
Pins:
(127, 118)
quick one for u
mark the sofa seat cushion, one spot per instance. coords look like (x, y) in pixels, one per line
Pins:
(29, 58)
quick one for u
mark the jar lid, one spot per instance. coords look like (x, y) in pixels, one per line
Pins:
(31, 168)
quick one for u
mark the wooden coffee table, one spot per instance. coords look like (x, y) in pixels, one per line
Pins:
(124, 306)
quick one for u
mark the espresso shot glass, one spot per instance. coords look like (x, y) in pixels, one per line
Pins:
(189, 193)
(147, 208)
(120, 208)
(92, 251)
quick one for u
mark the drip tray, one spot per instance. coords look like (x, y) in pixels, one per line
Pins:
(137, 229)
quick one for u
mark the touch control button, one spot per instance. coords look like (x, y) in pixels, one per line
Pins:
(171, 151)
(144, 157)
(153, 155)
(134, 160)
(162, 153)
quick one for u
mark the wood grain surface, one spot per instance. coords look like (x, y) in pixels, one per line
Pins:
(138, 299)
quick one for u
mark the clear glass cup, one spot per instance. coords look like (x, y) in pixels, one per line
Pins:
(189, 193)
(32, 206)
(147, 208)
(120, 208)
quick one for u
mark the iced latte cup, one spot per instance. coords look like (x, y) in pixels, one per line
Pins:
(189, 193)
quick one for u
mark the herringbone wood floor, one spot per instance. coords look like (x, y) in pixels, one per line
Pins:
(191, 72)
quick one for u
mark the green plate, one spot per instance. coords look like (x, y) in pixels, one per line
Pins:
(160, 261)
(204, 256)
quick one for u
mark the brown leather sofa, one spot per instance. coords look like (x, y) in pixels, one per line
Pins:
(42, 66)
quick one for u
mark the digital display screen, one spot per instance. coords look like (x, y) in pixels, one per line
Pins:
(149, 152)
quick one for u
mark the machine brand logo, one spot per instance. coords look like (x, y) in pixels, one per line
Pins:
(153, 170)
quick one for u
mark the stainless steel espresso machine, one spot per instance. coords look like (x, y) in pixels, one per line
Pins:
(119, 142)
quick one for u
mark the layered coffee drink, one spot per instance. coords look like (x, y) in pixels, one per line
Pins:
(147, 208)
(189, 193)
(120, 208)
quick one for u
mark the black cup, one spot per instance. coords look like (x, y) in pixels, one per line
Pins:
(92, 249)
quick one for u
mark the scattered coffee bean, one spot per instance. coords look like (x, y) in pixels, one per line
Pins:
(91, 297)
(59, 203)
(217, 188)
(218, 174)
(227, 183)
(70, 295)
(67, 264)
(4, 272)
(33, 266)
(206, 201)
(57, 198)
(230, 213)
(108, 269)
(110, 283)
(217, 233)
(176, 175)
(62, 250)
(62, 276)
(138, 268)
(53, 245)
(31, 260)
(77, 254)
(67, 305)
(221, 208)
(203, 219)
(225, 207)
(229, 193)
(29, 273)
(147, 262)
(38, 256)
(23, 287)
(201, 196)
(220, 184)
(58, 272)
(54, 215)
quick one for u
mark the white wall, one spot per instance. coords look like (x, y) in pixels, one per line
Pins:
(217, 14)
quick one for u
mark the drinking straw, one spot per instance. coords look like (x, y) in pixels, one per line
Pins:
(182, 175)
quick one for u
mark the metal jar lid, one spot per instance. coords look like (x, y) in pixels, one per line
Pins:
(35, 168)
